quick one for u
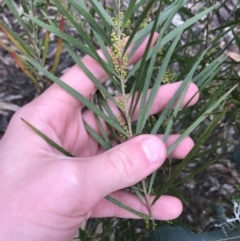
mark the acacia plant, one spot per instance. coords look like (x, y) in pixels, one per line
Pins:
(114, 28)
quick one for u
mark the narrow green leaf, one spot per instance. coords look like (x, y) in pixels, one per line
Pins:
(131, 9)
(83, 4)
(214, 97)
(138, 87)
(227, 45)
(99, 123)
(146, 80)
(145, 108)
(169, 107)
(182, 27)
(91, 51)
(103, 47)
(143, 115)
(236, 38)
(105, 106)
(122, 205)
(175, 111)
(32, 70)
(143, 91)
(59, 49)
(136, 35)
(20, 62)
(200, 78)
(89, 19)
(153, 176)
(195, 172)
(199, 120)
(48, 140)
(226, 25)
(44, 8)
(188, 44)
(104, 134)
(70, 40)
(64, 36)
(140, 196)
(202, 167)
(79, 29)
(90, 75)
(12, 7)
(17, 41)
(95, 135)
(101, 11)
(169, 36)
(136, 27)
(186, 12)
(188, 23)
(188, 79)
(45, 47)
(25, 5)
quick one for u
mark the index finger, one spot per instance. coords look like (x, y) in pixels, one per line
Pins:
(78, 80)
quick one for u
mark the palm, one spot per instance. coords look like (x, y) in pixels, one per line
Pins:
(66, 128)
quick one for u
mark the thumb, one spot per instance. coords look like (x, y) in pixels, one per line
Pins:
(123, 165)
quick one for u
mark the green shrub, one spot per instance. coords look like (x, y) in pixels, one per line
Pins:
(171, 59)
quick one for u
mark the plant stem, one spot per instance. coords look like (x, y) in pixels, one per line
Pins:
(146, 198)
(122, 69)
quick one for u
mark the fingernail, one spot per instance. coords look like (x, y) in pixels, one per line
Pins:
(152, 149)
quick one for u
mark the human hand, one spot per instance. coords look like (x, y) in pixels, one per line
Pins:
(46, 195)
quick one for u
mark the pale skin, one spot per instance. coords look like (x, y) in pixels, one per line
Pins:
(45, 195)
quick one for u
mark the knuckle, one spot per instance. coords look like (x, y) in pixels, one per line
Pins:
(123, 163)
